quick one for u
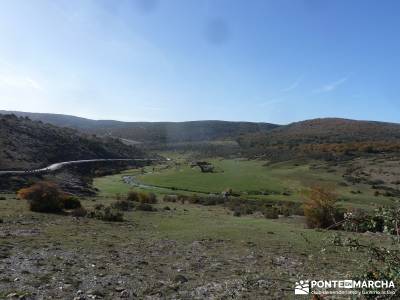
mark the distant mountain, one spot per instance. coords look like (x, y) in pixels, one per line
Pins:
(154, 132)
(324, 137)
(28, 144)
(62, 120)
(317, 138)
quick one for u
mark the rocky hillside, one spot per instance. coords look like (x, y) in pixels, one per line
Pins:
(29, 144)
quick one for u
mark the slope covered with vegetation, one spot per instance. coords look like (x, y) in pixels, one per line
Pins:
(154, 132)
(324, 138)
(28, 144)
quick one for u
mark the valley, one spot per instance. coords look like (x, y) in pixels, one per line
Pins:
(199, 150)
(164, 227)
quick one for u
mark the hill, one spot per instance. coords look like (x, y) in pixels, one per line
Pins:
(154, 132)
(29, 144)
(329, 137)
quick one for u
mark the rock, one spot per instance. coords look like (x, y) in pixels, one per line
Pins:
(119, 289)
(124, 294)
(180, 278)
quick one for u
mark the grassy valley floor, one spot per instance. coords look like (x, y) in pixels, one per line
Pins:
(184, 252)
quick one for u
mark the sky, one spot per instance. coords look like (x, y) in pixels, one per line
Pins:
(275, 61)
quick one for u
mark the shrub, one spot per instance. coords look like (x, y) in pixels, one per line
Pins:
(43, 197)
(358, 220)
(320, 208)
(79, 212)
(112, 215)
(194, 199)
(145, 207)
(99, 206)
(124, 205)
(149, 198)
(133, 196)
(107, 214)
(381, 262)
(270, 212)
(71, 202)
(237, 213)
(2, 198)
(170, 198)
(152, 198)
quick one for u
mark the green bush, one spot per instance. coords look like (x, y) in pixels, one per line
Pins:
(381, 262)
(2, 198)
(107, 214)
(124, 205)
(149, 198)
(237, 213)
(271, 212)
(145, 207)
(71, 202)
(382, 219)
(99, 206)
(133, 196)
(170, 198)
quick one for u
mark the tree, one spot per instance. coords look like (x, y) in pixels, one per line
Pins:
(320, 208)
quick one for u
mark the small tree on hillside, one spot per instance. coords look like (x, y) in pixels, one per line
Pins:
(321, 209)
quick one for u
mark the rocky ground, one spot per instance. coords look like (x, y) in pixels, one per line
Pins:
(145, 269)
(183, 252)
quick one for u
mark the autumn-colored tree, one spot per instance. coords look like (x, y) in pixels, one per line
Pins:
(320, 208)
(43, 197)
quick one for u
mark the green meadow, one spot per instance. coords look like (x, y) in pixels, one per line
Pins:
(252, 179)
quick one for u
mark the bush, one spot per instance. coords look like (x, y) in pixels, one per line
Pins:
(381, 262)
(170, 198)
(2, 198)
(145, 207)
(107, 214)
(149, 198)
(320, 208)
(271, 212)
(193, 199)
(71, 202)
(133, 196)
(79, 212)
(99, 206)
(124, 205)
(237, 213)
(43, 197)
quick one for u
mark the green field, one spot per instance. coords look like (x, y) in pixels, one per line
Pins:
(252, 179)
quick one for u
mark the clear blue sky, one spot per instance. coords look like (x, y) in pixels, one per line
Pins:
(173, 60)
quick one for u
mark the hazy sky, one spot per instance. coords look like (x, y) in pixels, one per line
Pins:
(153, 60)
